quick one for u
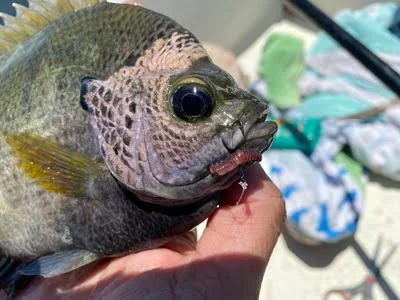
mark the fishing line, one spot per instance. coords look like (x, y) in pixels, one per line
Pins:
(243, 183)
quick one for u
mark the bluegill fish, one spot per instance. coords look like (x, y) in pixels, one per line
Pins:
(117, 132)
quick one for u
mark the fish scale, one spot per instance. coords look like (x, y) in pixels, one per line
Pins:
(51, 104)
(97, 159)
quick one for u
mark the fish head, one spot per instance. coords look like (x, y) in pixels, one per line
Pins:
(174, 127)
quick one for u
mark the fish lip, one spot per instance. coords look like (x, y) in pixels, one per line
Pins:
(257, 134)
(260, 131)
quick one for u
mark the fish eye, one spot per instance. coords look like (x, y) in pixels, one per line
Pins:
(85, 81)
(192, 102)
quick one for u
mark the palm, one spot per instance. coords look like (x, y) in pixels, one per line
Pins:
(228, 261)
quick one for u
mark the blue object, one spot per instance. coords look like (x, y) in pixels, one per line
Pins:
(321, 207)
(395, 26)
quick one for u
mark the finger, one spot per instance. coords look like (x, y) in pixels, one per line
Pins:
(253, 226)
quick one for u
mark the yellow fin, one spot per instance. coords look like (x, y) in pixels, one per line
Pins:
(29, 21)
(5, 45)
(52, 166)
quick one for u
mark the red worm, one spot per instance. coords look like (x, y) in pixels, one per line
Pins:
(233, 161)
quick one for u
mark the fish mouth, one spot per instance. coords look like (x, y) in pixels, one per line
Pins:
(246, 142)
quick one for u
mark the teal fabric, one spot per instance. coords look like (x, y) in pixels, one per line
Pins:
(332, 105)
(367, 30)
(381, 14)
(300, 135)
(369, 25)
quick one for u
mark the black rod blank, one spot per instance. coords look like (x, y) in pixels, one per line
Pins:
(372, 62)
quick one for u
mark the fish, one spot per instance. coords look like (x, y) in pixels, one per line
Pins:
(117, 133)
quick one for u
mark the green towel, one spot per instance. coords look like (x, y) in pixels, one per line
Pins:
(281, 65)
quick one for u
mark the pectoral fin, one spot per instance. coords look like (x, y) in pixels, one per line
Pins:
(15, 275)
(59, 263)
(52, 166)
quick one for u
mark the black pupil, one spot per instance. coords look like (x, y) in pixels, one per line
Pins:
(192, 102)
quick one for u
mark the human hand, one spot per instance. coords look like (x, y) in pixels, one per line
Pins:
(228, 261)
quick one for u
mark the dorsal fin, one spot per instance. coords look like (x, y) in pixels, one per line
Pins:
(29, 21)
